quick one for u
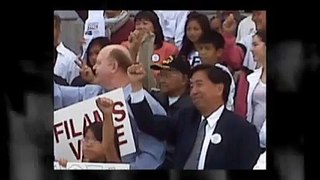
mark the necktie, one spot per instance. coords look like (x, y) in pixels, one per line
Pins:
(193, 160)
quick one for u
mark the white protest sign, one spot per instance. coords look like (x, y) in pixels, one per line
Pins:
(57, 166)
(97, 166)
(70, 123)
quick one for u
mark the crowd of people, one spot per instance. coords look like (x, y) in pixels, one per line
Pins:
(195, 88)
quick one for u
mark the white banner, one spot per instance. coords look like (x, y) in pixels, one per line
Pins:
(92, 166)
(70, 123)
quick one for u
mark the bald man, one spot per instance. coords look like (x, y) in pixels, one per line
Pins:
(111, 73)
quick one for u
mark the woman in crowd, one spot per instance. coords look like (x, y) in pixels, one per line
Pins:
(251, 92)
(92, 52)
(195, 26)
(148, 22)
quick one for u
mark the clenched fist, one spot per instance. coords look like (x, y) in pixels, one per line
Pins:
(229, 25)
(105, 105)
(136, 74)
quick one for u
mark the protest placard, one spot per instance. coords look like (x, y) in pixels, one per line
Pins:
(70, 123)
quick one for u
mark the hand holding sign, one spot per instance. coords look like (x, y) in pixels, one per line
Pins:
(147, 36)
(63, 162)
(70, 124)
(135, 39)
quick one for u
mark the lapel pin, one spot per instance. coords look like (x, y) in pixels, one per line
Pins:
(155, 58)
(216, 138)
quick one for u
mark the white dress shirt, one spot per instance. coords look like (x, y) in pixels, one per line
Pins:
(261, 163)
(172, 23)
(245, 27)
(65, 66)
(263, 135)
(212, 122)
(172, 100)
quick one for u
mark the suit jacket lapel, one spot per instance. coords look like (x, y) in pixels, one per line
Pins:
(219, 129)
(191, 133)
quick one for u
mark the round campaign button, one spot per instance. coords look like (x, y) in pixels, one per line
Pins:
(155, 58)
(216, 138)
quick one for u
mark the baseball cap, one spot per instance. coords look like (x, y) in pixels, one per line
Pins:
(174, 63)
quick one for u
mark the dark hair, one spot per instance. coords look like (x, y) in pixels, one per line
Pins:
(57, 19)
(100, 41)
(217, 76)
(187, 45)
(214, 17)
(214, 38)
(96, 129)
(154, 19)
(261, 35)
(123, 60)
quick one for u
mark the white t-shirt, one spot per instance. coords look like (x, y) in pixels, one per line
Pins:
(248, 61)
(245, 28)
(172, 23)
(263, 135)
(65, 66)
(194, 58)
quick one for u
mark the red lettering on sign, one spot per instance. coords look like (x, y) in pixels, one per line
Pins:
(119, 134)
(67, 129)
(119, 111)
(123, 142)
(86, 122)
(73, 131)
(57, 132)
(97, 117)
(76, 152)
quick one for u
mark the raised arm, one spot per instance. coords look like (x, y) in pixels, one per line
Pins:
(109, 139)
(159, 126)
(66, 95)
(233, 54)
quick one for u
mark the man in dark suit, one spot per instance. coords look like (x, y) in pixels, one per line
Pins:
(206, 136)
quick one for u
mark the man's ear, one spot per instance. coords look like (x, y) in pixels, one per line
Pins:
(114, 66)
(185, 79)
(219, 52)
(220, 88)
